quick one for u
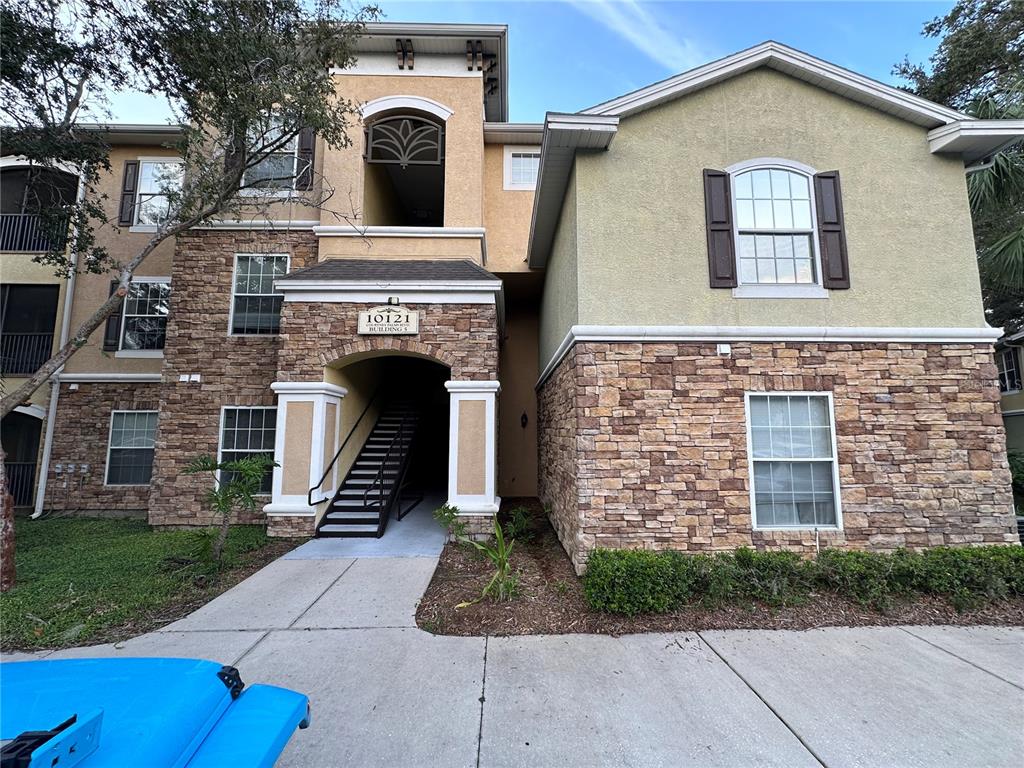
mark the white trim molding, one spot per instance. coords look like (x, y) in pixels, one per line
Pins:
(406, 291)
(487, 502)
(764, 333)
(975, 140)
(33, 410)
(103, 378)
(308, 388)
(260, 224)
(418, 103)
(348, 230)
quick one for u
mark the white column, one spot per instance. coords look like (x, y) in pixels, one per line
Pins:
(308, 424)
(473, 446)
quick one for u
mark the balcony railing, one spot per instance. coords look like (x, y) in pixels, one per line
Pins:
(25, 232)
(22, 354)
(21, 476)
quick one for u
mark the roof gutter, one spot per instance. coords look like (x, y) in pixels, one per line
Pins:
(564, 135)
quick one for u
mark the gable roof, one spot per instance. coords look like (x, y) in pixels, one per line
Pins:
(796, 64)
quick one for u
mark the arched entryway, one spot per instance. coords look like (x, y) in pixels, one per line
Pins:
(19, 435)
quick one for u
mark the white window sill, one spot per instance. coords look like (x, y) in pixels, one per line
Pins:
(511, 187)
(147, 228)
(283, 193)
(812, 528)
(779, 292)
(139, 353)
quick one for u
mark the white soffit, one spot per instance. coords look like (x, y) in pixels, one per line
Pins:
(975, 139)
(796, 64)
(563, 135)
(513, 133)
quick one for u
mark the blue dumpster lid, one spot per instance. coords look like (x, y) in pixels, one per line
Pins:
(155, 712)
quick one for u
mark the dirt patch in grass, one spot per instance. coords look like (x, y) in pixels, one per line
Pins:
(551, 600)
(86, 581)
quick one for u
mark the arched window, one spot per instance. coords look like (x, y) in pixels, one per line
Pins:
(405, 140)
(404, 175)
(775, 235)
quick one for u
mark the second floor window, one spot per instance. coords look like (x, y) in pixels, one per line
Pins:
(521, 167)
(774, 227)
(255, 305)
(157, 180)
(284, 169)
(145, 308)
(1009, 369)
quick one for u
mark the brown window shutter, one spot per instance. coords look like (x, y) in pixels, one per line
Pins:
(718, 211)
(835, 267)
(112, 333)
(307, 146)
(129, 186)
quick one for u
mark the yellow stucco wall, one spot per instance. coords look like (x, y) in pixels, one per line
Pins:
(642, 241)
(463, 194)
(507, 215)
(559, 308)
(92, 290)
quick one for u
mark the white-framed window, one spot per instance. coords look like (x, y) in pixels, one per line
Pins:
(1008, 363)
(775, 230)
(521, 166)
(278, 171)
(130, 447)
(144, 314)
(255, 305)
(248, 431)
(158, 177)
(794, 472)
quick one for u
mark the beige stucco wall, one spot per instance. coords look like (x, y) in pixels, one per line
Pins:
(559, 308)
(642, 246)
(517, 445)
(92, 290)
(370, 247)
(361, 379)
(463, 195)
(298, 435)
(507, 215)
(470, 479)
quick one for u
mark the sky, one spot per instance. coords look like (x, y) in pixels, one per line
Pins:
(569, 55)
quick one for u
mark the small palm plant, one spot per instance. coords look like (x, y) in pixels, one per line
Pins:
(504, 585)
(235, 485)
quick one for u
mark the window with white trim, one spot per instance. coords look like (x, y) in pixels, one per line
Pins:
(775, 238)
(794, 474)
(1007, 361)
(255, 305)
(157, 180)
(521, 167)
(130, 447)
(144, 315)
(279, 169)
(248, 432)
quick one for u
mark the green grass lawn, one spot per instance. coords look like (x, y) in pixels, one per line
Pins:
(83, 581)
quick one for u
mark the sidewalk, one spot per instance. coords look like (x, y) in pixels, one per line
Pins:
(384, 693)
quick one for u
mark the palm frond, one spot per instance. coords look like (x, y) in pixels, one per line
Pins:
(1003, 261)
(1000, 181)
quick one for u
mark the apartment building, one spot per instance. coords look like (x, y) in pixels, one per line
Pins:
(737, 307)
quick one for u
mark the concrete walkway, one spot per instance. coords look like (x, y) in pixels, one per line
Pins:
(384, 693)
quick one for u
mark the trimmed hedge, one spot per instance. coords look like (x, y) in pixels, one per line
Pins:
(640, 581)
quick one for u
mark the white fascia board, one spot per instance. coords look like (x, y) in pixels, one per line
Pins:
(764, 333)
(85, 378)
(347, 230)
(563, 135)
(233, 224)
(975, 139)
(440, 286)
(796, 63)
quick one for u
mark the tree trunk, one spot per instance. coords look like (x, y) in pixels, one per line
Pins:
(7, 571)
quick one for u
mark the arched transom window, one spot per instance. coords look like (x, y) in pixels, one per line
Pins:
(774, 227)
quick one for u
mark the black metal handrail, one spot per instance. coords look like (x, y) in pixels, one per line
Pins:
(384, 508)
(21, 477)
(309, 495)
(28, 233)
(22, 354)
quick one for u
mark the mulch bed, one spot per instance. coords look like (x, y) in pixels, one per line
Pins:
(551, 600)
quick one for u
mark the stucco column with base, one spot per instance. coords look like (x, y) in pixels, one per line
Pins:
(472, 450)
(308, 423)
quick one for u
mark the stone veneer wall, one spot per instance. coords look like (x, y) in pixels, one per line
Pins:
(235, 370)
(81, 437)
(462, 336)
(660, 453)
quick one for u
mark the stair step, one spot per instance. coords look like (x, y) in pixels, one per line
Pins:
(349, 529)
(349, 493)
(342, 517)
(354, 504)
(370, 472)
